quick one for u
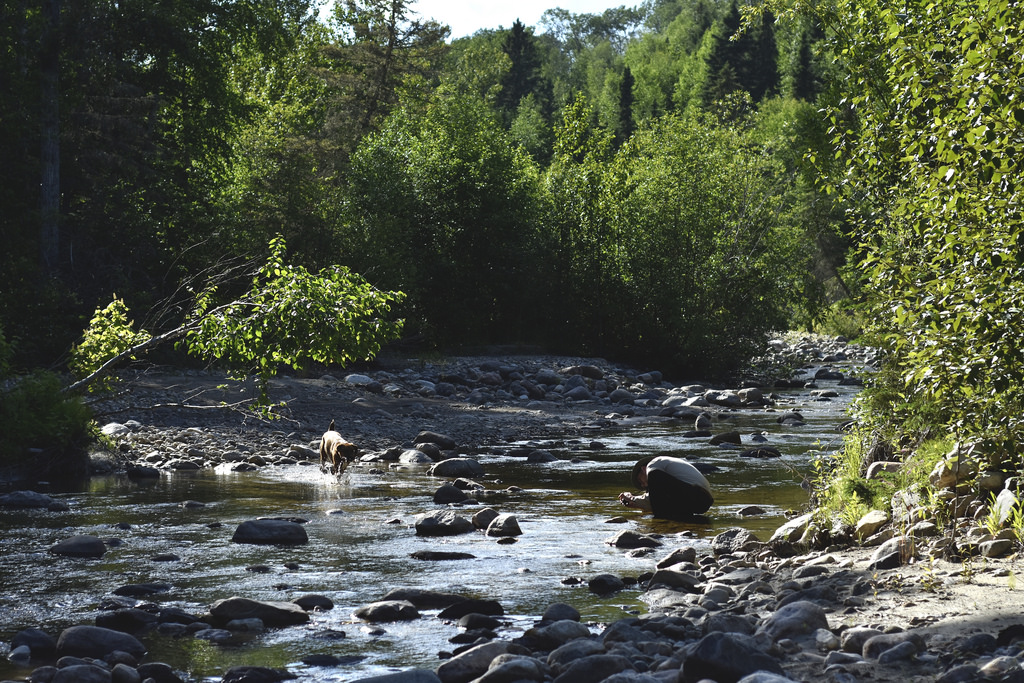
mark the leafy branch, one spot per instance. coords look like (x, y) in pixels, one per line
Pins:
(288, 317)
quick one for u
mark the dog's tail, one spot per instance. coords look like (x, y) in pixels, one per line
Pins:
(331, 427)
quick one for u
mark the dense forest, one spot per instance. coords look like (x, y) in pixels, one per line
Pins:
(663, 184)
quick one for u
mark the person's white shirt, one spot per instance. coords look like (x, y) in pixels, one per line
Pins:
(678, 468)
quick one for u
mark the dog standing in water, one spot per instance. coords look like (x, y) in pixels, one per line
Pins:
(336, 451)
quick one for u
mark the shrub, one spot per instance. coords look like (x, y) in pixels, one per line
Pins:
(39, 420)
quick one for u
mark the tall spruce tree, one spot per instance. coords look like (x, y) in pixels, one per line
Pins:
(524, 76)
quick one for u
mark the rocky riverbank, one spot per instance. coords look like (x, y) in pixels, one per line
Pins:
(786, 608)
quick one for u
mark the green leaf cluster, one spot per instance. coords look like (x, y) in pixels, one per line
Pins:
(930, 138)
(110, 333)
(291, 317)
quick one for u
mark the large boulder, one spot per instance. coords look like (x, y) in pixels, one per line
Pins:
(726, 658)
(795, 620)
(97, 642)
(504, 525)
(270, 532)
(27, 500)
(387, 610)
(80, 546)
(445, 443)
(456, 467)
(442, 523)
(425, 599)
(472, 663)
(631, 539)
(270, 613)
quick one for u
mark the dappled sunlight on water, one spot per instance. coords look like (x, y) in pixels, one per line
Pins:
(362, 539)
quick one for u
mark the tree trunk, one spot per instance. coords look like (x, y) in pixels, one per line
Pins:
(49, 233)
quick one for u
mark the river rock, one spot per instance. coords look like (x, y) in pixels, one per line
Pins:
(472, 663)
(795, 620)
(560, 611)
(255, 674)
(870, 523)
(449, 493)
(733, 540)
(97, 642)
(631, 539)
(270, 613)
(952, 470)
(80, 546)
(563, 656)
(726, 437)
(40, 643)
(445, 443)
(995, 548)
(539, 455)
(425, 599)
(483, 518)
(508, 668)
(471, 605)
(876, 645)
(127, 620)
(270, 532)
(140, 590)
(408, 676)
(676, 578)
(594, 668)
(82, 673)
(765, 677)
(726, 658)
(557, 633)
(605, 584)
(414, 456)
(157, 672)
(442, 523)
(892, 553)
(440, 555)
(28, 500)
(793, 530)
(314, 603)
(504, 525)
(387, 610)
(457, 467)
(687, 554)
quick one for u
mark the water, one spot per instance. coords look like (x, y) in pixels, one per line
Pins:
(362, 537)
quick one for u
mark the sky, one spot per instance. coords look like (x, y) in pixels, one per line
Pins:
(466, 17)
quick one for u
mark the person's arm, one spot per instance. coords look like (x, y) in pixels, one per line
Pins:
(638, 502)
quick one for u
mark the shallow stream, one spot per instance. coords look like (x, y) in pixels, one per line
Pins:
(362, 537)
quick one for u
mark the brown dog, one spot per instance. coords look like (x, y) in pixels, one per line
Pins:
(336, 451)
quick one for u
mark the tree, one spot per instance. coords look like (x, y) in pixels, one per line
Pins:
(445, 207)
(741, 57)
(381, 53)
(930, 136)
(626, 123)
(288, 317)
(523, 76)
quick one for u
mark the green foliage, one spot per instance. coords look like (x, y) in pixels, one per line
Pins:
(840, 488)
(6, 353)
(38, 418)
(110, 333)
(928, 137)
(445, 207)
(292, 317)
(659, 268)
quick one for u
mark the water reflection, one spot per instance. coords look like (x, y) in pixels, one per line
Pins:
(362, 540)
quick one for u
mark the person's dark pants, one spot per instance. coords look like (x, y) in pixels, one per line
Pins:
(674, 499)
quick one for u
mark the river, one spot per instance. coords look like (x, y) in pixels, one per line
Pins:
(362, 537)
